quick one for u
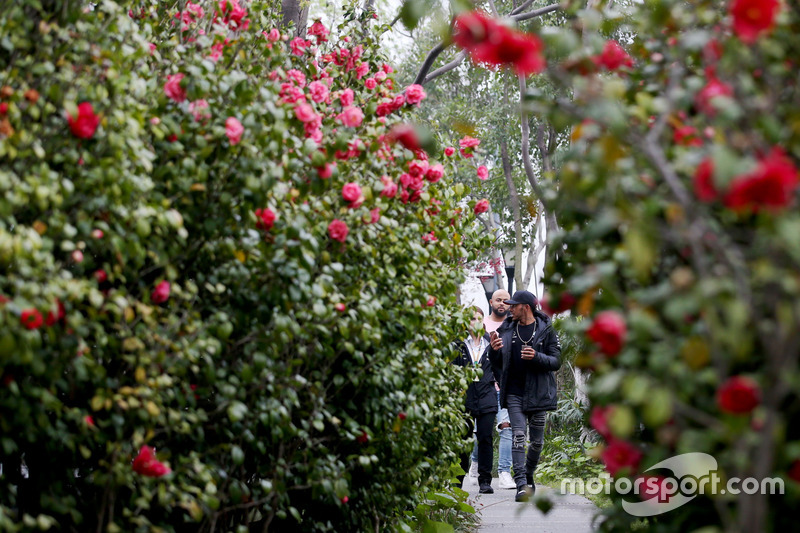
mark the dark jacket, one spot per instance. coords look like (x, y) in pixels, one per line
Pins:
(540, 381)
(481, 395)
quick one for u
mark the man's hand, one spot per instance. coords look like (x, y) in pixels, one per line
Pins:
(495, 341)
(528, 353)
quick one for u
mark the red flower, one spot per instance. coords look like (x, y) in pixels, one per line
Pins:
(431, 301)
(488, 41)
(753, 17)
(340, 307)
(621, 456)
(771, 185)
(468, 145)
(350, 192)
(704, 181)
(704, 100)
(266, 219)
(599, 420)
(3, 108)
(794, 471)
(434, 173)
(653, 486)
(31, 318)
(363, 437)
(564, 303)
(100, 276)
(146, 464)
(406, 135)
(482, 206)
(449, 151)
(173, 87)
(401, 415)
(161, 293)
(85, 123)
(738, 395)
(608, 330)
(613, 56)
(338, 230)
(686, 136)
(88, 420)
(389, 187)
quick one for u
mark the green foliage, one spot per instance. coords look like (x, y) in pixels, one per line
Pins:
(289, 380)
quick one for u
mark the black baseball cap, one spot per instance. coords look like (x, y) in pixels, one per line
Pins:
(523, 297)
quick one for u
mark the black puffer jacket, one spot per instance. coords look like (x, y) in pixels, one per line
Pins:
(540, 381)
(481, 395)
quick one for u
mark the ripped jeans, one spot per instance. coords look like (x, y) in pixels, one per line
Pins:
(521, 423)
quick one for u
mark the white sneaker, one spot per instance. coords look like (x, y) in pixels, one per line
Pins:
(473, 473)
(506, 481)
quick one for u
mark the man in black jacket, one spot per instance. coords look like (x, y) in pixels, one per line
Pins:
(524, 354)
(481, 401)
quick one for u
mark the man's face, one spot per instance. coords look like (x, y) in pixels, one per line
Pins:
(517, 311)
(498, 307)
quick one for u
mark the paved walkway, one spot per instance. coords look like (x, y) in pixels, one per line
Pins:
(500, 513)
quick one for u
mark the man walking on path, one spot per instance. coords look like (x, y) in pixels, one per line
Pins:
(525, 353)
(498, 311)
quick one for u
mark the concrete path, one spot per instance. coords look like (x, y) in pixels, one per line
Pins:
(499, 512)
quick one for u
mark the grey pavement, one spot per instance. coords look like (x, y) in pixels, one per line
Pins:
(499, 512)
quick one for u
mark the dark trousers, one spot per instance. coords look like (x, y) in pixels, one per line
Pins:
(533, 423)
(483, 431)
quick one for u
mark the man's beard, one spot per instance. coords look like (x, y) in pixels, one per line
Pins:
(499, 313)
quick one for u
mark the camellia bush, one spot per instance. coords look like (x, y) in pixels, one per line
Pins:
(678, 242)
(228, 272)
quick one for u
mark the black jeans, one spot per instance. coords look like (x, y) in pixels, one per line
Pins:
(483, 431)
(524, 464)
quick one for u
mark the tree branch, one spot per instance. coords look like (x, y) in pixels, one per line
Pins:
(520, 7)
(446, 68)
(536, 13)
(428, 63)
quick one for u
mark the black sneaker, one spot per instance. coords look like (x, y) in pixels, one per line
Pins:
(486, 489)
(523, 494)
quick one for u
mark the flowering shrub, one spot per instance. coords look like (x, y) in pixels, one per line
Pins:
(677, 205)
(196, 328)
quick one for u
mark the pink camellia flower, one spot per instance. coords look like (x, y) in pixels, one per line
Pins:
(199, 110)
(621, 457)
(468, 145)
(434, 173)
(362, 70)
(296, 76)
(265, 218)
(31, 319)
(77, 256)
(449, 151)
(305, 113)
(326, 171)
(483, 172)
(173, 87)
(319, 30)
(415, 94)
(161, 293)
(613, 56)
(481, 207)
(411, 183)
(3, 108)
(370, 83)
(340, 307)
(152, 47)
(97, 233)
(770, 186)
(351, 116)
(429, 237)
(338, 230)
(713, 89)
(380, 76)
(417, 168)
(608, 330)
(704, 181)
(234, 130)
(431, 301)
(85, 123)
(347, 97)
(351, 192)
(374, 215)
(318, 90)
(738, 395)
(389, 187)
(751, 18)
(274, 35)
(298, 46)
(146, 464)
(88, 420)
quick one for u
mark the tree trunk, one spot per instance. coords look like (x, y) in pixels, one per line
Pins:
(295, 12)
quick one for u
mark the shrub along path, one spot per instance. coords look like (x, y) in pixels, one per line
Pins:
(499, 512)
